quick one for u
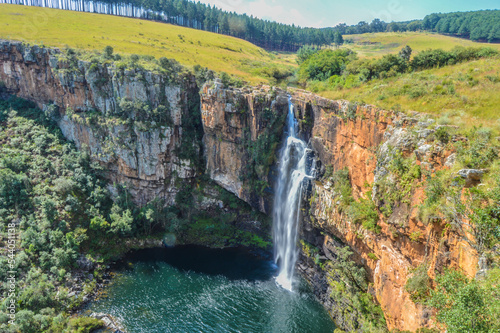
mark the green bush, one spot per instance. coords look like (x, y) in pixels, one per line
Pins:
(323, 64)
(465, 305)
(84, 324)
(418, 285)
(478, 151)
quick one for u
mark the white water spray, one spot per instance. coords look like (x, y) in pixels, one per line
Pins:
(293, 169)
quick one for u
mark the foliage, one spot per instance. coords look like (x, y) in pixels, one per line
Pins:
(362, 211)
(476, 25)
(466, 305)
(341, 68)
(365, 212)
(475, 212)
(219, 230)
(305, 52)
(477, 152)
(438, 57)
(418, 285)
(323, 64)
(108, 52)
(405, 53)
(396, 187)
(84, 324)
(349, 285)
(51, 192)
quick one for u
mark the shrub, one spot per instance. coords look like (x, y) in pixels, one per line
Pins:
(442, 135)
(418, 285)
(85, 324)
(323, 64)
(415, 236)
(477, 151)
(464, 305)
(108, 52)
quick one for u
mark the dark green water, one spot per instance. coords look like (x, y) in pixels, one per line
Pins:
(194, 289)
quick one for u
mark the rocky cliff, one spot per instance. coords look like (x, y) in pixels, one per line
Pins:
(131, 120)
(365, 141)
(243, 129)
(154, 131)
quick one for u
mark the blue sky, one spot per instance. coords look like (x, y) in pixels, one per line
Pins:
(326, 13)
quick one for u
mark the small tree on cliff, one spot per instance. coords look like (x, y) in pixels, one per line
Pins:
(108, 52)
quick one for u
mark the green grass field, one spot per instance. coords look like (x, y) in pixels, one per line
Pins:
(465, 94)
(379, 44)
(60, 28)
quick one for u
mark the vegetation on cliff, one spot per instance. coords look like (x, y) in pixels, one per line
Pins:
(354, 305)
(49, 194)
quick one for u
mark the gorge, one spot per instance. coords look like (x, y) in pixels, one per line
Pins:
(232, 136)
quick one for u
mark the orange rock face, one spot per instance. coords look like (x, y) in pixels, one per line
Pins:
(346, 135)
(233, 121)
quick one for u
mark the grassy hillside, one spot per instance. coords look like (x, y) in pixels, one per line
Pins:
(379, 44)
(60, 28)
(465, 94)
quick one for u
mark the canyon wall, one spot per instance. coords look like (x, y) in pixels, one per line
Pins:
(243, 129)
(155, 130)
(145, 127)
(364, 140)
(98, 108)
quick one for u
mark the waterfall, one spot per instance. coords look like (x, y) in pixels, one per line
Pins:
(293, 169)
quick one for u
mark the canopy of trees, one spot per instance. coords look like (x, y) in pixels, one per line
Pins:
(480, 25)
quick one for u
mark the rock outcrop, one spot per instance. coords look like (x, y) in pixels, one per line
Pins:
(242, 132)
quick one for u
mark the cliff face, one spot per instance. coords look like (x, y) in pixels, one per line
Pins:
(242, 131)
(146, 129)
(364, 140)
(100, 108)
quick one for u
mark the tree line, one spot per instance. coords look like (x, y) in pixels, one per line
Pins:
(481, 25)
(477, 25)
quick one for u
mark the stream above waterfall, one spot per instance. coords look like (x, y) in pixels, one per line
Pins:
(197, 289)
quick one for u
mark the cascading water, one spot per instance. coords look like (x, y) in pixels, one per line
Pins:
(293, 169)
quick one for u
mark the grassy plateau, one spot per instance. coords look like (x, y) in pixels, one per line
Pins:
(86, 31)
(382, 43)
(464, 94)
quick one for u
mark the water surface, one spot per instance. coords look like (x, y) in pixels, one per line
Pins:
(195, 289)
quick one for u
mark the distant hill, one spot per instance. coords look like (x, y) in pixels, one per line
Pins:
(61, 28)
